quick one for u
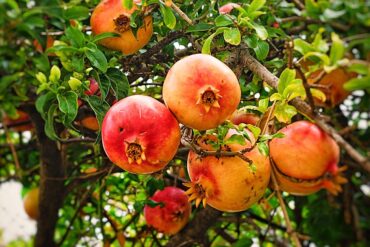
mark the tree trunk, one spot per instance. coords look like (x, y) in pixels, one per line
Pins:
(52, 187)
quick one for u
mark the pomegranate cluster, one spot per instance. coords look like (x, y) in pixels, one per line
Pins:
(141, 135)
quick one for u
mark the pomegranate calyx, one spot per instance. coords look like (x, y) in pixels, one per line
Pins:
(196, 192)
(209, 97)
(122, 23)
(135, 153)
(333, 182)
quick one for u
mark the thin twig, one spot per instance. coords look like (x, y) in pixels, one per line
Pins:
(18, 170)
(306, 86)
(290, 230)
(181, 13)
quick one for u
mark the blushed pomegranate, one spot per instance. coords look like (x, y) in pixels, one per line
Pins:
(21, 123)
(172, 215)
(306, 159)
(31, 203)
(111, 16)
(201, 91)
(229, 184)
(239, 117)
(140, 134)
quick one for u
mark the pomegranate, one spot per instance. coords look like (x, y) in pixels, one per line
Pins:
(239, 117)
(334, 81)
(140, 134)
(306, 160)
(173, 214)
(31, 203)
(21, 123)
(201, 91)
(229, 184)
(111, 16)
(90, 122)
(227, 8)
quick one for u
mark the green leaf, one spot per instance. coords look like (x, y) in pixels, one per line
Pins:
(263, 148)
(294, 90)
(318, 94)
(285, 78)
(302, 46)
(242, 242)
(357, 84)
(128, 4)
(223, 21)
(260, 30)
(49, 123)
(200, 27)
(235, 138)
(43, 103)
(54, 74)
(74, 83)
(75, 36)
(323, 57)
(68, 105)
(359, 68)
(96, 57)
(77, 12)
(255, 130)
(337, 49)
(119, 82)
(99, 107)
(284, 112)
(168, 16)
(104, 86)
(256, 5)
(276, 97)
(333, 14)
(206, 49)
(262, 49)
(263, 104)
(252, 41)
(104, 36)
(41, 77)
(232, 36)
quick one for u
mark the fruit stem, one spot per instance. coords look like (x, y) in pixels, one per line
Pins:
(289, 227)
(181, 13)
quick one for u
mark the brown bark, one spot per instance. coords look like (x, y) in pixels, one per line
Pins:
(52, 188)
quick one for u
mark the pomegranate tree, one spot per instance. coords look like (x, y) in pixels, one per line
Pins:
(111, 16)
(173, 212)
(201, 91)
(140, 134)
(229, 184)
(306, 159)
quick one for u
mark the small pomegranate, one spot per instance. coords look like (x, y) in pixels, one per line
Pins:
(239, 117)
(21, 123)
(31, 203)
(173, 214)
(306, 160)
(229, 184)
(201, 91)
(227, 8)
(140, 134)
(334, 81)
(111, 16)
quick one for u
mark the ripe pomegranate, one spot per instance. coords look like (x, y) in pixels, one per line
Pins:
(306, 160)
(227, 8)
(90, 122)
(172, 215)
(334, 81)
(140, 134)
(21, 123)
(239, 117)
(228, 184)
(111, 16)
(31, 203)
(201, 91)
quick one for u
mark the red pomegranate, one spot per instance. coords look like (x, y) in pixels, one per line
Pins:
(306, 159)
(111, 16)
(228, 184)
(140, 134)
(172, 215)
(201, 91)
